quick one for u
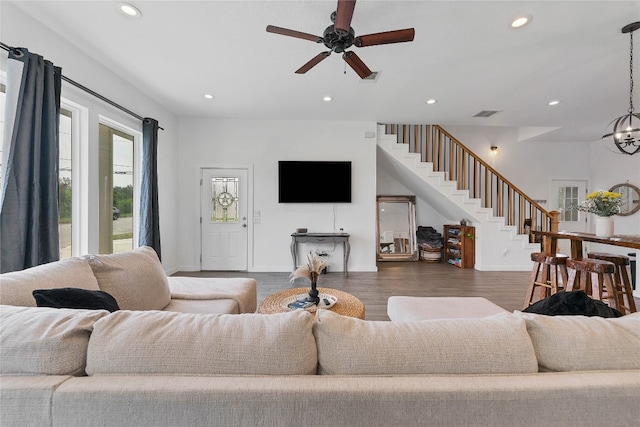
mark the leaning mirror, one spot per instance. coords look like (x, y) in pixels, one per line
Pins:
(396, 228)
(630, 198)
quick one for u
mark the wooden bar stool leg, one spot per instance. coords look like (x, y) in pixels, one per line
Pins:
(585, 282)
(613, 297)
(573, 281)
(535, 273)
(628, 291)
(544, 283)
(564, 275)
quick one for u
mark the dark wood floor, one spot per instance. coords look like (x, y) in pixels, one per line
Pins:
(507, 289)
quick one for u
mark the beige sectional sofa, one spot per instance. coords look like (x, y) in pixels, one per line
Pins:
(136, 280)
(63, 367)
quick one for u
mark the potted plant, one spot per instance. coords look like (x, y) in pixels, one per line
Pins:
(604, 204)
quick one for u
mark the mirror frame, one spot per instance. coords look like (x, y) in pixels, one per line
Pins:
(633, 188)
(413, 243)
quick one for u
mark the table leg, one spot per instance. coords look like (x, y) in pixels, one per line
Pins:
(294, 253)
(549, 245)
(576, 249)
(347, 250)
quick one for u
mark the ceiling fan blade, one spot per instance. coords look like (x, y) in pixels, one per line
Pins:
(293, 33)
(344, 14)
(356, 63)
(398, 36)
(316, 59)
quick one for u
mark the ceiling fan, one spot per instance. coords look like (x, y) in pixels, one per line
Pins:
(340, 36)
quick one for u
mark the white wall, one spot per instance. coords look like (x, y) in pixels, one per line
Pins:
(259, 144)
(20, 30)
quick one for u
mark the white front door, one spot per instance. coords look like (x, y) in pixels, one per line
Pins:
(223, 217)
(565, 194)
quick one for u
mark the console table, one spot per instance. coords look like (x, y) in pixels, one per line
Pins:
(320, 238)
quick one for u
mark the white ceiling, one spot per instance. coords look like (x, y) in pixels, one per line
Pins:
(464, 54)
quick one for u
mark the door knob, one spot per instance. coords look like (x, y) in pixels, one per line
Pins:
(244, 225)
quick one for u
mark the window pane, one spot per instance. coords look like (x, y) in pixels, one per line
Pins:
(224, 199)
(116, 190)
(568, 198)
(64, 184)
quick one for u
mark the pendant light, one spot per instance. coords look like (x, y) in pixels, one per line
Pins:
(624, 131)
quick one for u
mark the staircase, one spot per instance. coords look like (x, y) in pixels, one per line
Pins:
(502, 214)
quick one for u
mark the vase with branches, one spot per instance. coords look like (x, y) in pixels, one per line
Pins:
(311, 270)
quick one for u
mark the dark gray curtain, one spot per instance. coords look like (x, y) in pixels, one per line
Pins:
(149, 210)
(29, 199)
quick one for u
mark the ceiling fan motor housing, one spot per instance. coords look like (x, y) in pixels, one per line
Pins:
(335, 41)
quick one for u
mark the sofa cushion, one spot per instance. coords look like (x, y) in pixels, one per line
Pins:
(75, 298)
(155, 342)
(496, 344)
(49, 341)
(16, 287)
(134, 278)
(581, 343)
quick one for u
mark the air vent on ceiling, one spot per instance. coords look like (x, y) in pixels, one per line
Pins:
(372, 78)
(486, 113)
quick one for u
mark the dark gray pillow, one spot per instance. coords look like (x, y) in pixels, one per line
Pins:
(75, 298)
(573, 303)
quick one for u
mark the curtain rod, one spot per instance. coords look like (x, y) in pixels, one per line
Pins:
(86, 89)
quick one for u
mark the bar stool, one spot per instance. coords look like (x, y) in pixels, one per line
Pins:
(595, 277)
(622, 281)
(549, 276)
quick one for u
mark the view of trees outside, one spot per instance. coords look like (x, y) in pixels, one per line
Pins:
(123, 191)
(64, 184)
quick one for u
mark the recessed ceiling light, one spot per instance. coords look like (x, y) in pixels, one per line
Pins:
(521, 21)
(431, 101)
(130, 10)
(327, 98)
(208, 96)
(554, 102)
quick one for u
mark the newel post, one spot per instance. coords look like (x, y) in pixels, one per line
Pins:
(555, 215)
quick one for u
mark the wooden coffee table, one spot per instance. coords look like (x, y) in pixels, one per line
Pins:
(347, 304)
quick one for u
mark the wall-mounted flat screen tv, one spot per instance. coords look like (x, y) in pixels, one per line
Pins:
(314, 182)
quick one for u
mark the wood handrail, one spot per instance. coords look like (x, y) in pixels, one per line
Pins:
(457, 162)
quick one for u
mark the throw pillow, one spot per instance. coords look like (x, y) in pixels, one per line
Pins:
(135, 278)
(573, 303)
(75, 298)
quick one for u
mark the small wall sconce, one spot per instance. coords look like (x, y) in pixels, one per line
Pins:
(494, 150)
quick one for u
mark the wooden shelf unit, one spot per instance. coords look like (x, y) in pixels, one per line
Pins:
(459, 245)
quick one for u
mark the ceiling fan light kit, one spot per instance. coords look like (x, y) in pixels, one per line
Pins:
(624, 131)
(340, 36)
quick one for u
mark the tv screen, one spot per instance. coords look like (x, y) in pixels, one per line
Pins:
(314, 182)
